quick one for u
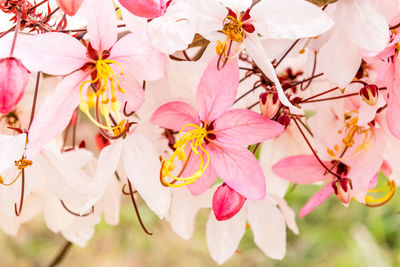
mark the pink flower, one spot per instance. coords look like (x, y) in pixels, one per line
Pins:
(114, 67)
(70, 7)
(211, 140)
(145, 8)
(13, 80)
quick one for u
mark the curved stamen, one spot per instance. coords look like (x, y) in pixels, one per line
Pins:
(74, 213)
(372, 202)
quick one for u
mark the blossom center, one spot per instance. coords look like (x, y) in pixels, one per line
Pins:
(193, 139)
(105, 82)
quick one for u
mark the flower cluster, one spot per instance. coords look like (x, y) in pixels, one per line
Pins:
(214, 104)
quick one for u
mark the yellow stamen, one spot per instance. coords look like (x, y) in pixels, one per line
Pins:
(108, 82)
(195, 139)
(233, 29)
(371, 201)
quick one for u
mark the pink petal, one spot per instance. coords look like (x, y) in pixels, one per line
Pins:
(239, 169)
(217, 90)
(145, 8)
(13, 80)
(175, 115)
(70, 7)
(205, 181)
(53, 53)
(55, 112)
(102, 23)
(245, 127)
(393, 109)
(317, 199)
(226, 202)
(133, 95)
(144, 60)
(301, 169)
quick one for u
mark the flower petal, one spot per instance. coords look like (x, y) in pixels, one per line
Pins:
(290, 19)
(301, 169)
(223, 237)
(144, 61)
(364, 25)
(11, 149)
(70, 7)
(245, 127)
(393, 109)
(55, 112)
(317, 199)
(142, 167)
(256, 52)
(175, 115)
(145, 8)
(53, 53)
(217, 89)
(269, 228)
(102, 34)
(238, 168)
(133, 95)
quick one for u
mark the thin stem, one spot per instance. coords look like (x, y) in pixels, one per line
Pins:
(74, 213)
(245, 94)
(186, 56)
(323, 93)
(255, 148)
(306, 127)
(136, 209)
(329, 98)
(37, 5)
(15, 33)
(245, 77)
(312, 74)
(61, 255)
(34, 99)
(305, 80)
(21, 202)
(313, 151)
(7, 31)
(287, 53)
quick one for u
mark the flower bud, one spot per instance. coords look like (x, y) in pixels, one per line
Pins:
(226, 202)
(369, 94)
(343, 190)
(284, 119)
(13, 80)
(269, 104)
(69, 7)
(145, 8)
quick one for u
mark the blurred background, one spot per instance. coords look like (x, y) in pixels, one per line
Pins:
(332, 235)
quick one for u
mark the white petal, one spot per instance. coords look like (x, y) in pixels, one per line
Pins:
(184, 208)
(288, 213)
(237, 5)
(11, 149)
(365, 26)
(223, 237)
(174, 30)
(55, 216)
(112, 203)
(256, 52)
(269, 228)
(106, 166)
(82, 230)
(142, 167)
(339, 60)
(291, 19)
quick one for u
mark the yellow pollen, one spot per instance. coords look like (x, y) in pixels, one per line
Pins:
(193, 138)
(371, 201)
(349, 129)
(108, 82)
(233, 29)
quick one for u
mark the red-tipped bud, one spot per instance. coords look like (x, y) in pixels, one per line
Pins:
(269, 104)
(226, 202)
(69, 7)
(284, 119)
(369, 94)
(13, 79)
(343, 190)
(145, 8)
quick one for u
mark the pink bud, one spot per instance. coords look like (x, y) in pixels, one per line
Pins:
(13, 79)
(343, 190)
(70, 7)
(226, 202)
(145, 8)
(369, 94)
(269, 104)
